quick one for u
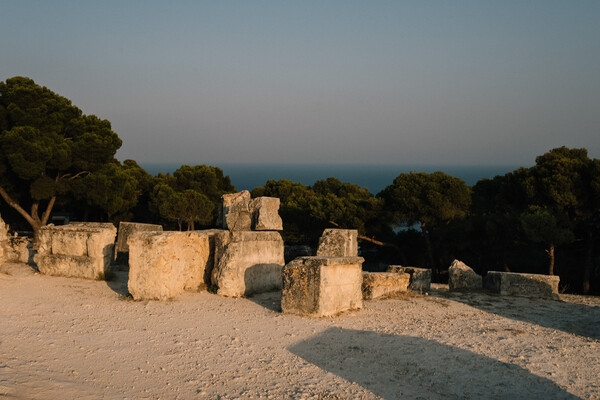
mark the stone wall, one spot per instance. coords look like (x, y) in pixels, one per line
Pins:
(164, 264)
(80, 250)
(420, 278)
(126, 229)
(322, 286)
(381, 284)
(247, 262)
(528, 285)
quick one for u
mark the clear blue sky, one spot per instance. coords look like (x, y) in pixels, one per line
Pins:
(392, 82)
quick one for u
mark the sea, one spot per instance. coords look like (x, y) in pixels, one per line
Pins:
(373, 177)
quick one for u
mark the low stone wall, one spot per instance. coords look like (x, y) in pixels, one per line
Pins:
(126, 229)
(322, 286)
(164, 264)
(380, 284)
(338, 243)
(515, 284)
(420, 278)
(80, 250)
(247, 262)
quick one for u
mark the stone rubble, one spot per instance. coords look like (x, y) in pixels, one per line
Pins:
(381, 284)
(463, 278)
(527, 285)
(420, 278)
(338, 243)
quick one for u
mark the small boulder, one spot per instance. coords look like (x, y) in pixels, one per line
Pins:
(461, 277)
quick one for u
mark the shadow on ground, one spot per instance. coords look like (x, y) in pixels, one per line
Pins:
(579, 319)
(395, 367)
(270, 300)
(118, 283)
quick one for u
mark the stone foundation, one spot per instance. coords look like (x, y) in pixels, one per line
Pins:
(126, 229)
(381, 284)
(420, 278)
(164, 264)
(322, 286)
(80, 250)
(248, 262)
(463, 278)
(528, 285)
(338, 243)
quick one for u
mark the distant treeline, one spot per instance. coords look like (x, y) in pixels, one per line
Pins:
(56, 161)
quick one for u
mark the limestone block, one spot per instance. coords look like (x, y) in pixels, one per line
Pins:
(461, 277)
(380, 284)
(234, 213)
(247, 262)
(17, 249)
(420, 278)
(82, 250)
(265, 214)
(126, 229)
(164, 264)
(322, 286)
(3, 239)
(515, 284)
(338, 243)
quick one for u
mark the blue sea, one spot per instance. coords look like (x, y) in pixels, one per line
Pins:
(373, 177)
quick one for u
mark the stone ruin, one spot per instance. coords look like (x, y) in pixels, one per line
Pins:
(322, 286)
(515, 284)
(420, 278)
(79, 250)
(338, 243)
(126, 229)
(382, 284)
(463, 278)
(244, 258)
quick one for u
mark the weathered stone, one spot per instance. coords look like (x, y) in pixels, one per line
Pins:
(322, 286)
(461, 277)
(81, 250)
(17, 249)
(338, 243)
(234, 213)
(515, 284)
(164, 264)
(265, 214)
(420, 278)
(380, 284)
(126, 229)
(247, 262)
(291, 252)
(3, 239)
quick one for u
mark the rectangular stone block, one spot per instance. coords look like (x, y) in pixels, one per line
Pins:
(380, 284)
(164, 264)
(247, 262)
(420, 278)
(338, 243)
(126, 229)
(322, 286)
(515, 284)
(82, 250)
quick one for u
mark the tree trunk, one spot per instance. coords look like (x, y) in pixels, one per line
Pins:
(432, 264)
(589, 262)
(550, 252)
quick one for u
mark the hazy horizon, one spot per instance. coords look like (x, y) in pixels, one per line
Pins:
(382, 82)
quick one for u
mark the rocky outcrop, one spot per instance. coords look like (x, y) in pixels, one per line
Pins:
(381, 284)
(322, 286)
(247, 262)
(420, 278)
(80, 250)
(463, 278)
(164, 264)
(338, 243)
(126, 229)
(527, 285)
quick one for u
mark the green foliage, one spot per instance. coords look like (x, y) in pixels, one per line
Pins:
(541, 226)
(427, 199)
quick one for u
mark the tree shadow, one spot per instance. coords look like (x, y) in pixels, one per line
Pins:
(579, 319)
(395, 367)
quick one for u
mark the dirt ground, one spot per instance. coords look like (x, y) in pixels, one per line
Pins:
(63, 338)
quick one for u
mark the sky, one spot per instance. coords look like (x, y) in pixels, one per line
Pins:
(345, 82)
